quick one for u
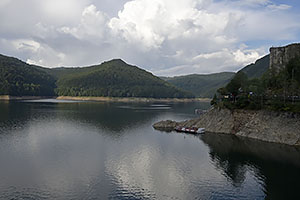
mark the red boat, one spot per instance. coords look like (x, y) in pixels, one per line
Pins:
(193, 130)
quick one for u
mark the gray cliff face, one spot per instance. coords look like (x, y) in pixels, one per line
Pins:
(262, 125)
(280, 56)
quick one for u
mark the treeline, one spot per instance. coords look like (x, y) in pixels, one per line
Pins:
(117, 79)
(110, 79)
(20, 79)
(206, 85)
(201, 85)
(275, 90)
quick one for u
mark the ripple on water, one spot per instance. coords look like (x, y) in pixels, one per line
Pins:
(101, 151)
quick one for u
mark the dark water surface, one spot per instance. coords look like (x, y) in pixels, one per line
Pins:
(81, 150)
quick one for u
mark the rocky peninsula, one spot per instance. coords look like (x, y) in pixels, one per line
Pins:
(269, 126)
(240, 109)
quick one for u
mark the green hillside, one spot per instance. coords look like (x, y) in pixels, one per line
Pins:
(20, 79)
(275, 90)
(201, 85)
(207, 85)
(110, 79)
(257, 69)
(116, 79)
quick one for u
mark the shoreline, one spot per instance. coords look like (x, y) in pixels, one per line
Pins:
(13, 98)
(263, 125)
(132, 99)
(105, 99)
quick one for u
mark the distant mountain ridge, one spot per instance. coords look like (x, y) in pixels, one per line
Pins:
(206, 85)
(114, 78)
(201, 85)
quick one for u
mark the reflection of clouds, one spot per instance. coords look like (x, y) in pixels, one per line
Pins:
(132, 173)
(68, 155)
(53, 156)
(148, 171)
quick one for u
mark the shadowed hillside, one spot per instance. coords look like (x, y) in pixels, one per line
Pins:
(115, 79)
(201, 85)
(110, 79)
(18, 79)
(257, 69)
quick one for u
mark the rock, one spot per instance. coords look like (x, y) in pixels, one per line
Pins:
(277, 127)
(167, 125)
(280, 56)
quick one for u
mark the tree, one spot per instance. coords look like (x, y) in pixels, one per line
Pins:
(214, 101)
(238, 82)
(293, 69)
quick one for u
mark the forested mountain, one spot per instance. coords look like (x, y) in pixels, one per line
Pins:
(275, 90)
(201, 85)
(113, 79)
(18, 78)
(257, 69)
(206, 85)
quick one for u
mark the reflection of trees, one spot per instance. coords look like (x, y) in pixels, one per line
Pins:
(112, 117)
(278, 166)
(234, 170)
(231, 162)
(118, 116)
(14, 115)
(101, 115)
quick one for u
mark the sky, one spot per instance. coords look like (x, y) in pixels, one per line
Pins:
(165, 37)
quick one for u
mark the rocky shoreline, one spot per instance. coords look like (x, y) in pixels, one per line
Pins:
(269, 126)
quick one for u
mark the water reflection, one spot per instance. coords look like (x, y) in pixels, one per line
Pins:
(277, 167)
(81, 150)
(109, 116)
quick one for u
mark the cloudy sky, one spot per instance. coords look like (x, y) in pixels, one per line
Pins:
(165, 37)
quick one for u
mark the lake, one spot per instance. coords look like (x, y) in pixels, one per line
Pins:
(52, 149)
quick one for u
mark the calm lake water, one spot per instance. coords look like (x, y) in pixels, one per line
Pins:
(87, 150)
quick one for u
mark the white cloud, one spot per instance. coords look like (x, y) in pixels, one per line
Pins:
(92, 24)
(137, 23)
(150, 23)
(223, 60)
(245, 57)
(253, 2)
(165, 36)
(4, 3)
(26, 45)
(60, 12)
(279, 7)
(46, 56)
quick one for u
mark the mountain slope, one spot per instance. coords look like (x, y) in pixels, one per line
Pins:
(257, 69)
(114, 79)
(117, 79)
(207, 85)
(201, 85)
(18, 78)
